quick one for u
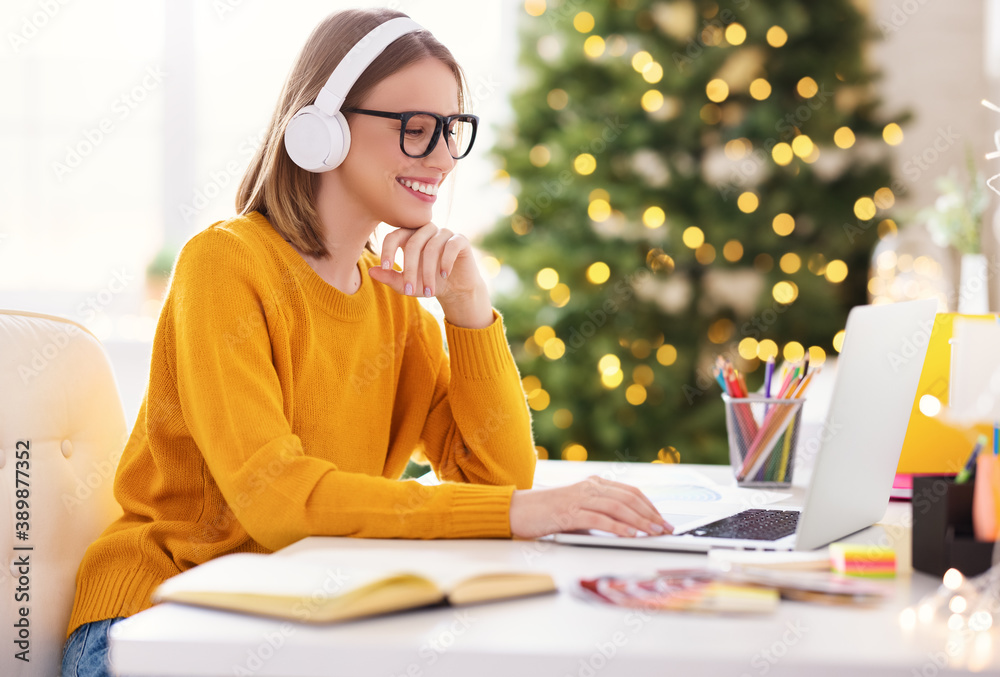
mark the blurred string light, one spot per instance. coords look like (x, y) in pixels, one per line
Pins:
(539, 155)
(790, 263)
(557, 99)
(651, 101)
(765, 349)
(843, 138)
(693, 237)
(807, 88)
(776, 36)
(593, 46)
(547, 278)
(747, 202)
(666, 355)
(490, 266)
(864, 208)
(782, 154)
(584, 164)
(965, 607)
(598, 273)
(717, 90)
(735, 34)
(599, 210)
(534, 7)
(901, 276)
(584, 22)
(802, 146)
(654, 217)
(652, 73)
(705, 254)
(893, 134)
(640, 60)
(760, 89)
(838, 340)
(732, 251)
(562, 418)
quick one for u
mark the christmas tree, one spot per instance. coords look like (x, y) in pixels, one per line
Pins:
(688, 179)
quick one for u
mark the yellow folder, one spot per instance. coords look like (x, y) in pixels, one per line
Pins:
(932, 445)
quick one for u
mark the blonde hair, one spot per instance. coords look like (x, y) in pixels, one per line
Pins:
(275, 186)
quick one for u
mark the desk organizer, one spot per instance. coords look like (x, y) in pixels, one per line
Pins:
(763, 432)
(942, 528)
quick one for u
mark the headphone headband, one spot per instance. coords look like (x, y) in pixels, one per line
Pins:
(331, 96)
(317, 138)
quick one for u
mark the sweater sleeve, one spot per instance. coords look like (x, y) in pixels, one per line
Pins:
(479, 428)
(224, 320)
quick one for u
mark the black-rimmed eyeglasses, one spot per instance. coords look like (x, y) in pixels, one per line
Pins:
(419, 131)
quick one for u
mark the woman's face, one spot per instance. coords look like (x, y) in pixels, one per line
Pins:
(376, 171)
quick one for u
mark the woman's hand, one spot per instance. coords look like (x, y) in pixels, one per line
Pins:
(595, 503)
(440, 263)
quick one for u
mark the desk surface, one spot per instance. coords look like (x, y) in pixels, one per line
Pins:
(559, 635)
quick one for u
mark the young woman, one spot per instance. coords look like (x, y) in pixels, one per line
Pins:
(294, 372)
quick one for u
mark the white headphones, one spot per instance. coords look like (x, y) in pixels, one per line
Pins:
(317, 137)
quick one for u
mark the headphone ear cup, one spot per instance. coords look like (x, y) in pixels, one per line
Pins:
(315, 141)
(340, 140)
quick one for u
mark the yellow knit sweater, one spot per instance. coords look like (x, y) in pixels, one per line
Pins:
(279, 407)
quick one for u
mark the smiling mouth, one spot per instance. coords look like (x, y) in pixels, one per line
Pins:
(425, 188)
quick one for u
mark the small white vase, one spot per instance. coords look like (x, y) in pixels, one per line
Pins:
(973, 285)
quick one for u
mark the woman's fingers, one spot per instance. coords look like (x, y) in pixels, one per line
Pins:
(413, 252)
(622, 514)
(597, 520)
(632, 497)
(430, 261)
(591, 504)
(452, 249)
(391, 243)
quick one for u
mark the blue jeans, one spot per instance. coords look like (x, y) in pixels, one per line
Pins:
(86, 650)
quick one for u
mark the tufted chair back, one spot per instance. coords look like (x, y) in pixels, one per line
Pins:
(62, 431)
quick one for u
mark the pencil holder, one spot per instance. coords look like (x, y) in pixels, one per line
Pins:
(762, 432)
(942, 528)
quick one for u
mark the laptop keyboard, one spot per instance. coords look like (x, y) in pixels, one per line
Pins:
(755, 525)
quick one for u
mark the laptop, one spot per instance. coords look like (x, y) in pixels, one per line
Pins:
(875, 385)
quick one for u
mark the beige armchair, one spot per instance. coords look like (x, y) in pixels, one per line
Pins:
(62, 431)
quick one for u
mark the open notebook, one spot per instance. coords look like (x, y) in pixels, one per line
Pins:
(324, 586)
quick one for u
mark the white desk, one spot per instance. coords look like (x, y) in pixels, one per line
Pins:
(558, 635)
